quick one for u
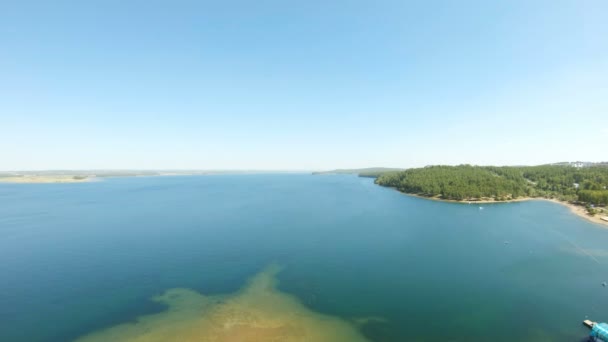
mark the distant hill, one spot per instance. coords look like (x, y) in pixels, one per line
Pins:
(363, 172)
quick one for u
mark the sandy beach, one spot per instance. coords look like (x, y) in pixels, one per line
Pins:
(580, 211)
(483, 201)
(575, 209)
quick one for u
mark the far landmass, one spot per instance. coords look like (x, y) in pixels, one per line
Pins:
(79, 176)
(581, 186)
(46, 178)
(364, 172)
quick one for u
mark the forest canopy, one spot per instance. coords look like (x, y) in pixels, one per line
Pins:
(467, 182)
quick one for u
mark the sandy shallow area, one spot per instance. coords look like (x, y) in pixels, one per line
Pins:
(258, 312)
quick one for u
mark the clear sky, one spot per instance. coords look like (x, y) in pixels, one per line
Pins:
(301, 84)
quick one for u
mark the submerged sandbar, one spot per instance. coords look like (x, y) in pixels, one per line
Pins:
(258, 312)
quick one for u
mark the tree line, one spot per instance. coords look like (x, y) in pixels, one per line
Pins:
(467, 182)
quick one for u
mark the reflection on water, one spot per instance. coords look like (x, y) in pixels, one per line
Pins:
(258, 312)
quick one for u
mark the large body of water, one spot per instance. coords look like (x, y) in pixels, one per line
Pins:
(76, 259)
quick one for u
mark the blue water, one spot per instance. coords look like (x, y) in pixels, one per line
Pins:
(75, 258)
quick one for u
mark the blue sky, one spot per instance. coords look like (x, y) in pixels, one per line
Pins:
(301, 85)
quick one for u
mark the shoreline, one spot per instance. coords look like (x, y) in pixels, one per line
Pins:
(574, 209)
(522, 199)
(579, 211)
(46, 179)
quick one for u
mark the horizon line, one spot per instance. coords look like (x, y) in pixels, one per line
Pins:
(273, 169)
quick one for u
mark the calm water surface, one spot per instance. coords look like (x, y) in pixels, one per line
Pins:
(76, 258)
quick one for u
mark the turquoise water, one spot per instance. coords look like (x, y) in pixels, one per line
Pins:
(76, 258)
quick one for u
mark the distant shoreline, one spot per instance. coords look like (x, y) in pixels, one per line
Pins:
(84, 176)
(47, 179)
(575, 209)
(50, 179)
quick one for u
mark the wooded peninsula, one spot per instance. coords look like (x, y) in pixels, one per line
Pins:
(491, 183)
